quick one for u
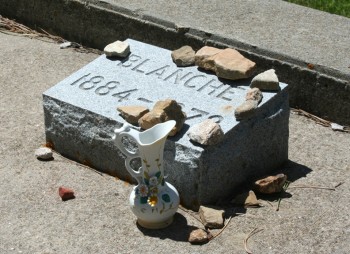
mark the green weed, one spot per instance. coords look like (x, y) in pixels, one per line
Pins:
(339, 7)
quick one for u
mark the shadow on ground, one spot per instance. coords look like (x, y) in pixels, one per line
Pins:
(179, 230)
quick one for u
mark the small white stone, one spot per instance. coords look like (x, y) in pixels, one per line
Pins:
(43, 153)
(337, 127)
(65, 45)
(267, 80)
(117, 48)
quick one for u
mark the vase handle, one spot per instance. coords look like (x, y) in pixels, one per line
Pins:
(127, 131)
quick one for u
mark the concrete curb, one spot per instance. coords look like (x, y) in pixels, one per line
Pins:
(321, 90)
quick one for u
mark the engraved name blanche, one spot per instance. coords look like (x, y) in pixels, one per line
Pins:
(198, 82)
(102, 87)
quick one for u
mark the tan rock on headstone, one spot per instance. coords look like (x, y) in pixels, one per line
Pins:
(246, 110)
(267, 80)
(117, 48)
(246, 199)
(226, 63)
(212, 217)
(254, 94)
(163, 111)
(132, 114)
(204, 57)
(270, 184)
(206, 133)
(198, 236)
(183, 56)
(230, 64)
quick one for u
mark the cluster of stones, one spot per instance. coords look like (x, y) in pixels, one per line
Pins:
(229, 64)
(226, 63)
(266, 81)
(213, 217)
(162, 111)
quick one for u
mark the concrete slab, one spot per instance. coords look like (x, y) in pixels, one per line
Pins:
(307, 48)
(80, 115)
(35, 220)
(251, 23)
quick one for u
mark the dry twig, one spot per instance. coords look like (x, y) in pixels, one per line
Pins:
(189, 213)
(8, 26)
(337, 185)
(221, 229)
(317, 119)
(285, 187)
(312, 187)
(278, 204)
(253, 232)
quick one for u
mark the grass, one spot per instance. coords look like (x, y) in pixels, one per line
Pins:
(339, 7)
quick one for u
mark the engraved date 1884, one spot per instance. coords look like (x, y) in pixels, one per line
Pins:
(102, 87)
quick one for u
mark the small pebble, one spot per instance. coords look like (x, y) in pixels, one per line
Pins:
(66, 193)
(65, 45)
(69, 44)
(43, 153)
(270, 184)
(198, 236)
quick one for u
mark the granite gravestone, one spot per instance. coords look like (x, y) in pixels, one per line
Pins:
(80, 116)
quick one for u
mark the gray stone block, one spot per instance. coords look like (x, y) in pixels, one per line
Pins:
(80, 116)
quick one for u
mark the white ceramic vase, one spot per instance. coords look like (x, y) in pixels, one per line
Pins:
(153, 200)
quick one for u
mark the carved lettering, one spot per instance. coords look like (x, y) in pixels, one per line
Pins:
(159, 72)
(227, 91)
(187, 83)
(79, 79)
(137, 67)
(198, 113)
(124, 95)
(217, 117)
(177, 76)
(144, 100)
(91, 83)
(131, 60)
(209, 85)
(103, 90)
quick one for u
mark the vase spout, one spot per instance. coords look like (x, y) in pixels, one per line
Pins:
(156, 133)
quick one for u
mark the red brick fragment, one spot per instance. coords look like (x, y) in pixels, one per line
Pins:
(66, 193)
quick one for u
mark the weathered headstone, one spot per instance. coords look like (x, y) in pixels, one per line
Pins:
(80, 116)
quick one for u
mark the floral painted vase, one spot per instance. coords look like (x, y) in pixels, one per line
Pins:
(153, 200)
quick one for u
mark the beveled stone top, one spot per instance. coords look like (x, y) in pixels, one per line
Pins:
(147, 75)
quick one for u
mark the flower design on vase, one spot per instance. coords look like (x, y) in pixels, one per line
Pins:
(143, 190)
(148, 191)
(152, 200)
(153, 181)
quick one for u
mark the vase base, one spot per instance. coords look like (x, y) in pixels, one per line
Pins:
(155, 225)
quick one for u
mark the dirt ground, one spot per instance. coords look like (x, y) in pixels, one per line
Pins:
(34, 220)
